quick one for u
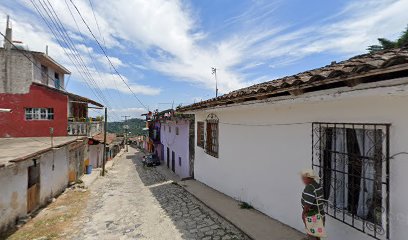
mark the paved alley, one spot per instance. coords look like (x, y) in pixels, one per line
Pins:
(136, 202)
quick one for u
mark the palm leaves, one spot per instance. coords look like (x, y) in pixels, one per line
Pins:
(385, 44)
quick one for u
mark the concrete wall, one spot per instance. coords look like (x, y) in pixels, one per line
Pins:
(53, 180)
(177, 143)
(16, 72)
(14, 124)
(37, 76)
(96, 155)
(260, 164)
(13, 194)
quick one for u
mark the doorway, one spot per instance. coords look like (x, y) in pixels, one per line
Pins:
(33, 187)
(168, 158)
(173, 161)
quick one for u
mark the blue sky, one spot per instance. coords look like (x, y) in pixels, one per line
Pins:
(165, 49)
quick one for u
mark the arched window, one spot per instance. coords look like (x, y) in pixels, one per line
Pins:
(211, 146)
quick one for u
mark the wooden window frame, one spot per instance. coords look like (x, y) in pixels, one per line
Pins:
(200, 134)
(212, 136)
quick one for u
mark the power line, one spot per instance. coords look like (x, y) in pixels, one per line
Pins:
(76, 58)
(96, 21)
(65, 51)
(71, 46)
(104, 52)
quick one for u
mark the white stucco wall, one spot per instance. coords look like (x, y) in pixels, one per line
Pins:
(177, 143)
(260, 164)
(96, 155)
(13, 193)
(53, 181)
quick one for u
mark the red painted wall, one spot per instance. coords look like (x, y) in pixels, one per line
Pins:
(14, 124)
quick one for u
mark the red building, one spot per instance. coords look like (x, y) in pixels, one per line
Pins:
(31, 85)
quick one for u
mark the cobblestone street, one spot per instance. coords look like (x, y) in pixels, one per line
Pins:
(136, 202)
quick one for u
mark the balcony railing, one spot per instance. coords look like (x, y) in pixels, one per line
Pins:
(84, 128)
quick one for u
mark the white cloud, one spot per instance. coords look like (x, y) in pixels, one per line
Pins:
(37, 36)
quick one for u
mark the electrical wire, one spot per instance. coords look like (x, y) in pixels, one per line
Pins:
(104, 52)
(81, 34)
(70, 45)
(76, 58)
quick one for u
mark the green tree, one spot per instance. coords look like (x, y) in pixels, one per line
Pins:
(385, 44)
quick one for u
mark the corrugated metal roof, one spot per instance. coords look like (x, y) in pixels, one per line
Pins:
(358, 67)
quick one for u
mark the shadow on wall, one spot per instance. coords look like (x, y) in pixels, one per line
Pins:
(193, 219)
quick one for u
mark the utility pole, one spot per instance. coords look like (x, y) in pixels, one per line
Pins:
(126, 128)
(104, 141)
(214, 72)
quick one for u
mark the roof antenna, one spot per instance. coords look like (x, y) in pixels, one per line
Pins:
(46, 50)
(214, 72)
(9, 35)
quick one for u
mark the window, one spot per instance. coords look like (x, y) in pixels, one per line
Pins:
(353, 163)
(39, 113)
(179, 161)
(212, 135)
(200, 134)
(177, 131)
(44, 74)
(57, 81)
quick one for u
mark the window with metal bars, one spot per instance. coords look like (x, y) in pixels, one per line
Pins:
(353, 162)
(211, 143)
(200, 134)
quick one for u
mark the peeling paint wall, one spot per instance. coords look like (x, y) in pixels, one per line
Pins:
(13, 193)
(53, 180)
(96, 155)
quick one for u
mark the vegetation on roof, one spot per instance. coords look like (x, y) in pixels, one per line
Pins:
(385, 44)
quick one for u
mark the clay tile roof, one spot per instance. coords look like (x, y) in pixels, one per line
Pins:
(358, 67)
(110, 137)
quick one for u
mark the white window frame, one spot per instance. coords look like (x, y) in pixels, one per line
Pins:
(41, 114)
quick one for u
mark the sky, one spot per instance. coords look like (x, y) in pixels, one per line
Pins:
(164, 49)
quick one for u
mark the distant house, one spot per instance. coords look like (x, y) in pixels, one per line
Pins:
(178, 151)
(32, 86)
(347, 120)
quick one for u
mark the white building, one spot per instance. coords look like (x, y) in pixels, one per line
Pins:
(32, 172)
(348, 120)
(177, 152)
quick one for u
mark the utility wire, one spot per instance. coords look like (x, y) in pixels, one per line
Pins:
(65, 51)
(72, 48)
(82, 35)
(68, 42)
(104, 52)
(97, 24)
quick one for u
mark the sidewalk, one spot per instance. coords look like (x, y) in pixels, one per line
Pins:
(88, 179)
(251, 222)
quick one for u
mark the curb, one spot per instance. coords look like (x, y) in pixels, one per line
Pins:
(219, 214)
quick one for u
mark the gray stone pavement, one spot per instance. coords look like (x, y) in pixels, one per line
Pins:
(136, 202)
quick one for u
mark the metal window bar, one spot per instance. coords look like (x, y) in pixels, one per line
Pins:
(346, 171)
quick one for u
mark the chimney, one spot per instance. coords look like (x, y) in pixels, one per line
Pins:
(9, 35)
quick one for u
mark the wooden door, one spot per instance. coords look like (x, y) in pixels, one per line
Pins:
(33, 187)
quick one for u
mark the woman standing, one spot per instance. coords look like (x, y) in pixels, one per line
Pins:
(312, 203)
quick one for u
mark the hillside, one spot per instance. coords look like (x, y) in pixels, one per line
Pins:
(135, 126)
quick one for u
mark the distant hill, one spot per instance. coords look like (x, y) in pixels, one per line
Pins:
(135, 126)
